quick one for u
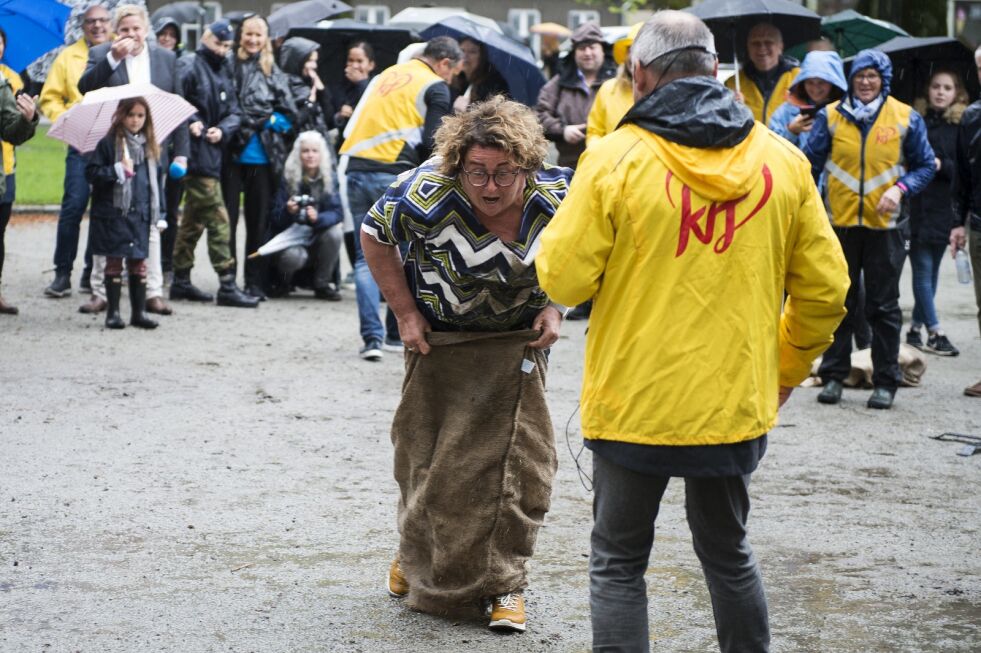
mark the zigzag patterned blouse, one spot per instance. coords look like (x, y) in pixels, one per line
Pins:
(463, 277)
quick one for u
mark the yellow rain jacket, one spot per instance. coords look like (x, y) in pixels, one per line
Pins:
(613, 99)
(762, 108)
(8, 150)
(60, 89)
(687, 253)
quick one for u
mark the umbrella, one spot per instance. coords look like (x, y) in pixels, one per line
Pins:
(182, 12)
(295, 234)
(914, 61)
(87, 122)
(421, 18)
(554, 29)
(731, 21)
(386, 41)
(32, 29)
(301, 14)
(514, 61)
(850, 32)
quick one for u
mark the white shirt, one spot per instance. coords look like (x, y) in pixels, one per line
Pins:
(137, 66)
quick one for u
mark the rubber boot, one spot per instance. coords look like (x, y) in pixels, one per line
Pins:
(114, 288)
(182, 288)
(230, 295)
(137, 301)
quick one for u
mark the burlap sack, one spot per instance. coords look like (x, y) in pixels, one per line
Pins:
(912, 365)
(474, 460)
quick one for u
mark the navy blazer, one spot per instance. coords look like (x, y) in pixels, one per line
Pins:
(163, 74)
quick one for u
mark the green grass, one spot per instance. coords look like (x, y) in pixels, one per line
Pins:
(40, 169)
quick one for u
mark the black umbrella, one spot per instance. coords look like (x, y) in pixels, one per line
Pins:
(731, 21)
(914, 61)
(182, 12)
(386, 41)
(302, 14)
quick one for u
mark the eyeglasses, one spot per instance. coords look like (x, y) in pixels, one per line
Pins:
(96, 21)
(479, 178)
(867, 77)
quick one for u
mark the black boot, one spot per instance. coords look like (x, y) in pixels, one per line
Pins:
(137, 302)
(182, 288)
(114, 288)
(230, 295)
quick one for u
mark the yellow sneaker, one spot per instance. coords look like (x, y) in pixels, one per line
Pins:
(398, 586)
(508, 612)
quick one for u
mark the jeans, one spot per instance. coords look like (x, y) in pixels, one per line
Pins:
(880, 254)
(625, 507)
(925, 260)
(363, 190)
(74, 200)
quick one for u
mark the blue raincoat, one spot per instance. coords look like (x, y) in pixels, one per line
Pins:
(816, 65)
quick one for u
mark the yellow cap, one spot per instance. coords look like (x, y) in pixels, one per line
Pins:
(622, 46)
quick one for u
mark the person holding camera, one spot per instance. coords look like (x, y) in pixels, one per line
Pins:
(308, 196)
(206, 82)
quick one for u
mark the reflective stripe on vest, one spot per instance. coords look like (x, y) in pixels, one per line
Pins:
(860, 170)
(391, 114)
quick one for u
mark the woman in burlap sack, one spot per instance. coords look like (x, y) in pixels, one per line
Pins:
(474, 449)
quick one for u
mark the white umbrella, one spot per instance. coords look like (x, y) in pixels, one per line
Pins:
(87, 122)
(422, 17)
(295, 234)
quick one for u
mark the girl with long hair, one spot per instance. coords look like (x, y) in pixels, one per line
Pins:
(127, 201)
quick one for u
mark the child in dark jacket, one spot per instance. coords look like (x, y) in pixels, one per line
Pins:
(127, 201)
(308, 200)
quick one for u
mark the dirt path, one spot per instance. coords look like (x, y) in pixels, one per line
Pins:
(224, 484)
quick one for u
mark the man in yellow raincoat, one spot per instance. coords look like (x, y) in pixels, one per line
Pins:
(687, 225)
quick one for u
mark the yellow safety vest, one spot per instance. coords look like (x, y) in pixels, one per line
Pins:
(391, 114)
(8, 150)
(862, 168)
(763, 108)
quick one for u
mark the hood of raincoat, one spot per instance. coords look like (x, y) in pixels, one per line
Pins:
(872, 59)
(714, 148)
(819, 65)
(294, 53)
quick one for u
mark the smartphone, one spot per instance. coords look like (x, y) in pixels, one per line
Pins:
(809, 112)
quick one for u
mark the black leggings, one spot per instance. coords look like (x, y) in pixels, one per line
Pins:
(257, 184)
(5, 210)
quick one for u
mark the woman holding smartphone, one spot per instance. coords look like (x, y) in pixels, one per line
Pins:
(821, 80)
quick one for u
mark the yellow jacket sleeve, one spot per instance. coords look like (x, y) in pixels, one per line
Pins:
(54, 94)
(596, 121)
(579, 239)
(816, 285)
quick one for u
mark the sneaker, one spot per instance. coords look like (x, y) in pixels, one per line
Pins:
(881, 398)
(973, 390)
(392, 345)
(914, 339)
(938, 344)
(831, 394)
(372, 350)
(60, 287)
(397, 585)
(508, 612)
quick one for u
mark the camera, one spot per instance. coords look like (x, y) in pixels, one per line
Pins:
(303, 201)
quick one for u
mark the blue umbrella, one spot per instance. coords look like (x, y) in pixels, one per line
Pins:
(33, 27)
(513, 60)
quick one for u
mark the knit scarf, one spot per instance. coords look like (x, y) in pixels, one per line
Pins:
(122, 195)
(862, 112)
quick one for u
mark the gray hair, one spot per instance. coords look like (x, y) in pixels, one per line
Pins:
(443, 47)
(293, 168)
(671, 31)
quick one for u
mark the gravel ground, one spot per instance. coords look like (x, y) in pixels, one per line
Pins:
(224, 484)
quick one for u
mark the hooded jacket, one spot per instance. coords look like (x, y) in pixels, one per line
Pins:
(206, 82)
(863, 159)
(309, 115)
(932, 211)
(686, 226)
(821, 65)
(613, 99)
(763, 105)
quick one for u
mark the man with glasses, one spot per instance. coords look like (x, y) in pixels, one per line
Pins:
(700, 266)
(59, 93)
(391, 131)
(875, 153)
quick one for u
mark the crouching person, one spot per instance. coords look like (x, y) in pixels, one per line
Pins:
(127, 201)
(206, 82)
(308, 197)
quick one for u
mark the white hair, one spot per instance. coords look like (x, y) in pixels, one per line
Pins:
(672, 31)
(293, 169)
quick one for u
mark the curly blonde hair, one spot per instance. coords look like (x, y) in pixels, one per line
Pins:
(496, 122)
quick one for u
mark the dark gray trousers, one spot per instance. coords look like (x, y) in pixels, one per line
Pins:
(625, 505)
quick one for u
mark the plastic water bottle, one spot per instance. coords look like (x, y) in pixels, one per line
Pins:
(963, 265)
